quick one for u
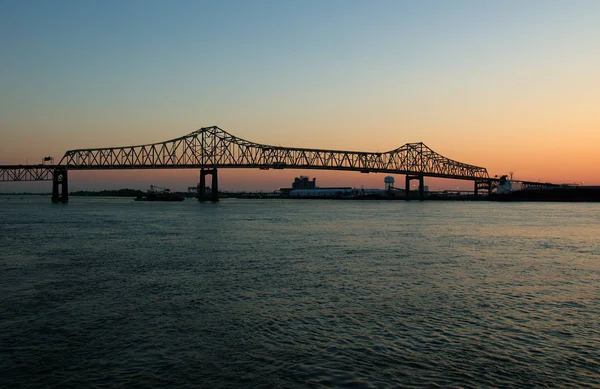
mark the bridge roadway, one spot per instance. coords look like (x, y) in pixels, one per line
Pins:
(211, 148)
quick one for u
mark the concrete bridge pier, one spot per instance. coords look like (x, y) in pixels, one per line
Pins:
(485, 185)
(214, 189)
(60, 186)
(418, 177)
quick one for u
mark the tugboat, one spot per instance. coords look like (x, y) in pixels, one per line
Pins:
(156, 193)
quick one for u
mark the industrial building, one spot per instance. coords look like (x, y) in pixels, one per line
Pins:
(303, 182)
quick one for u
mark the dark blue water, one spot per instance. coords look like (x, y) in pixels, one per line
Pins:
(298, 294)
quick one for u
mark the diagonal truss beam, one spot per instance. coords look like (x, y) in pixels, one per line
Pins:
(26, 172)
(212, 147)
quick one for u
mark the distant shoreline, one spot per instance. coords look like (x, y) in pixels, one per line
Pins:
(550, 195)
(101, 193)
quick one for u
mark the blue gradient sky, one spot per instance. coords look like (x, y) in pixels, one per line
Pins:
(508, 85)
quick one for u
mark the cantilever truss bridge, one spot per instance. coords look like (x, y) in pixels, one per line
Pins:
(210, 148)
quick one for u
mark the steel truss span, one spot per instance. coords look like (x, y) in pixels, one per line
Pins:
(27, 173)
(212, 147)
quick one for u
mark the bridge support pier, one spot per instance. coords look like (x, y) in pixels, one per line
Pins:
(483, 185)
(214, 189)
(60, 186)
(418, 177)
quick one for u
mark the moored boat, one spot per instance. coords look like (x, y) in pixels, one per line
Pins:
(156, 193)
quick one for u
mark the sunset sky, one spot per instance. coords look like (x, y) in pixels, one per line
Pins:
(513, 86)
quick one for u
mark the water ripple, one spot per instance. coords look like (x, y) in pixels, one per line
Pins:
(275, 294)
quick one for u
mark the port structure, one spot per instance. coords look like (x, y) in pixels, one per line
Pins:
(211, 148)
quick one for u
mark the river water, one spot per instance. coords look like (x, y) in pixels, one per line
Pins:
(298, 294)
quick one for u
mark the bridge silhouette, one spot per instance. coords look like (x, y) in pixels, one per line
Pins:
(211, 148)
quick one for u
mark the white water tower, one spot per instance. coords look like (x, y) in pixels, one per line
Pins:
(389, 183)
